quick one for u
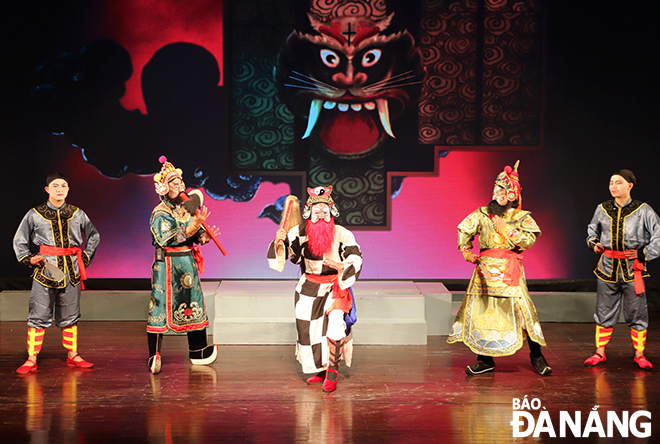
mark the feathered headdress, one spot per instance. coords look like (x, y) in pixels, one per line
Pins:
(167, 173)
(510, 181)
(319, 195)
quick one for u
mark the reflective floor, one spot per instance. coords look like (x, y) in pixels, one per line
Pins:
(256, 394)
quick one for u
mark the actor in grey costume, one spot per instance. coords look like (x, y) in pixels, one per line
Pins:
(626, 233)
(59, 230)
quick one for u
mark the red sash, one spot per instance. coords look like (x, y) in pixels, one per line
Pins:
(56, 251)
(342, 297)
(196, 253)
(513, 265)
(638, 268)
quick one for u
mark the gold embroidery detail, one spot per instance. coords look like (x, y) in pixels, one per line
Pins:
(187, 280)
(187, 315)
(497, 239)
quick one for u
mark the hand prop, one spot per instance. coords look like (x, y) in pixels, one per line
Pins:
(55, 272)
(192, 206)
(288, 206)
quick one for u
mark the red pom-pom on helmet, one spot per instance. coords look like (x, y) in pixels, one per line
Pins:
(162, 159)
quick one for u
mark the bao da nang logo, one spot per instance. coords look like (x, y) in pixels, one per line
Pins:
(530, 418)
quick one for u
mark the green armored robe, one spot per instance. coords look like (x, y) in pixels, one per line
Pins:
(177, 300)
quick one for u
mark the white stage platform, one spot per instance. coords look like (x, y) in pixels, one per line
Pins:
(127, 305)
(261, 311)
(389, 312)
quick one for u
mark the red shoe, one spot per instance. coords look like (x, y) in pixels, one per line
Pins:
(329, 385)
(81, 363)
(26, 368)
(596, 359)
(316, 379)
(641, 361)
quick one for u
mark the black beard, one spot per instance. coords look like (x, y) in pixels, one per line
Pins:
(496, 209)
(176, 201)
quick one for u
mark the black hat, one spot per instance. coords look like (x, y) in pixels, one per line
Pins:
(628, 175)
(56, 175)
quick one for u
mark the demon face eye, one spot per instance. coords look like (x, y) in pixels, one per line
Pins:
(329, 58)
(371, 57)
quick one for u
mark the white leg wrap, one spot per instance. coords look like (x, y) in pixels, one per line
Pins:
(336, 325)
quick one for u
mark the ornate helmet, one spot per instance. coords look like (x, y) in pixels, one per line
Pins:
(319, 195)
(509, 180)
(167, 173)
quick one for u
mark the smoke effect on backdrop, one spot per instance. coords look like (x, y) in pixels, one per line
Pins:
(600, 114)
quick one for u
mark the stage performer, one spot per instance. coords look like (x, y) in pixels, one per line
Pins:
(330, 260)
(59, 230)
(497, 311)
(626, 233)
(177, 300)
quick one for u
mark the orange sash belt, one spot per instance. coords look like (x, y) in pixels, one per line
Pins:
(196, 253)
(513, 265)
(342, 297)
(56, 251)
(638, 268)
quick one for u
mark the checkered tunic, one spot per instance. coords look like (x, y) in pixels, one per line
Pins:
(313, 300)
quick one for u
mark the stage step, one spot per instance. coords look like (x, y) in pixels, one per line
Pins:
(389, 312)
(124, 305)
(261, 311)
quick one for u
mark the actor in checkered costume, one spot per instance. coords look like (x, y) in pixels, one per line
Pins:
(330, 261)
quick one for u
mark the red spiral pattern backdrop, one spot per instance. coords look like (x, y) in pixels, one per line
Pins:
(376, 9)
(484, 63)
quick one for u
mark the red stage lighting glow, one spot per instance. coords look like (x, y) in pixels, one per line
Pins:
(145, 26)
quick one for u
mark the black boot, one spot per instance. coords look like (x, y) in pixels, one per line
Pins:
(198, 351)
(538, 360)
(484, 364)
(155, 341)
(204, 356)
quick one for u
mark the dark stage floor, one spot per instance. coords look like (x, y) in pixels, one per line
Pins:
(256, 394)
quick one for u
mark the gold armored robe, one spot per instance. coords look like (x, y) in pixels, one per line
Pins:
(497, 306)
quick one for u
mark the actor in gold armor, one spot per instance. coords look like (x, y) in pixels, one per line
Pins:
(497, 310)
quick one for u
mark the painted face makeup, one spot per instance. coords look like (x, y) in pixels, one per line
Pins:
(619, 187)
(57, 191)
(320, 211)
(176, 187)
(499, 195)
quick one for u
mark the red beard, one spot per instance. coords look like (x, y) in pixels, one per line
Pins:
(320, 236)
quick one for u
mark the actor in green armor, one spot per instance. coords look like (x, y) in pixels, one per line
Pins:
(177, 300)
